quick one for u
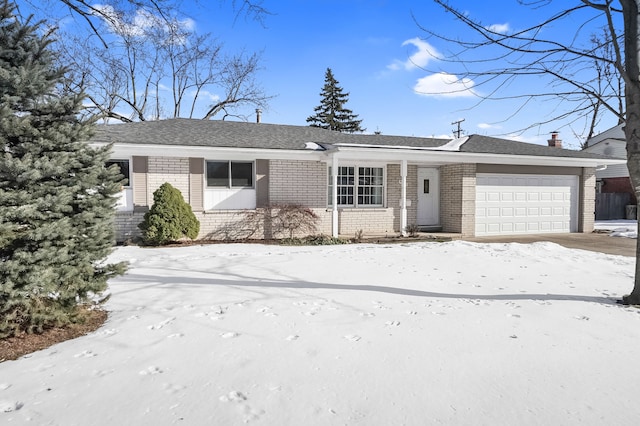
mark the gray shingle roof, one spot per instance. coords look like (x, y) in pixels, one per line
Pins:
(234, 134)
(489, 145)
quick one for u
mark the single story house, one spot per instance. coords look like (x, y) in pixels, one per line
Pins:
(613, 179)
(355, 183)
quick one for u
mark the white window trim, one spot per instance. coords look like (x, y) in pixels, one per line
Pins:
(355, 204)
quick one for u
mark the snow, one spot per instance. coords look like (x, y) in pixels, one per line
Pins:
(619, 228)
(452, 333)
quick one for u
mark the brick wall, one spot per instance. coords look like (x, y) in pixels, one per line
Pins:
(298, 182)
(587, 201)
(458, 198)
(619, 184)
(126, 224)
(290, 181)
(174, 170)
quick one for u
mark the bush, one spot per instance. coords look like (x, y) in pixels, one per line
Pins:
(169, 219)
(313, 240)
(412, 230)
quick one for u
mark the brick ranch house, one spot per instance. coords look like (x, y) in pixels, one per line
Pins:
(373, 184)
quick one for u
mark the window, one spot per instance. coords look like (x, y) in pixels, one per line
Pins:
(358, 186)
(123, 166)
(229, 174)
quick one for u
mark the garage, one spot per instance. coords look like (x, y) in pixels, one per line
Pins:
(526, 204)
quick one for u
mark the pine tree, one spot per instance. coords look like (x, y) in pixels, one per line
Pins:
(331, 113)
(57, 200)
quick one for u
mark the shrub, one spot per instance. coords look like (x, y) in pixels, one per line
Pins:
(412, 230)
(169, 219)
(313, 240)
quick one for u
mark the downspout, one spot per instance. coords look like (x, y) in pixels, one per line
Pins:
(403, 198)
(334, 196)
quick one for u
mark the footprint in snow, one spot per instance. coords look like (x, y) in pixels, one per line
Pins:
(581, 318)
(102, 373)
(161, 324)
(367, 314)
(150, 371)
(292, 337)
(4, 386)
(392, 323)
(229, 335)
(175, 335)
(238, 398)
(9, 406)
(85, 354)
(172, 388)
(233, 396)
(352, 337)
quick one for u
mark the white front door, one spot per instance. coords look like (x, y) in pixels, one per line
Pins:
(428, 196)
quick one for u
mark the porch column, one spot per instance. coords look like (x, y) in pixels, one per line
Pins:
(334, 196)
(403, 198)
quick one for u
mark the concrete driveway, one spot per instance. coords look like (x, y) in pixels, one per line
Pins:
(600, 242)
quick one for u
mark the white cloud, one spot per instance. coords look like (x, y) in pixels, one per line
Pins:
(488, 126)
(499, 28)
(142, 21)
(444, 85)
(419, 59)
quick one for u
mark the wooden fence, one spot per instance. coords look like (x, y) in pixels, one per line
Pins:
(611, 205)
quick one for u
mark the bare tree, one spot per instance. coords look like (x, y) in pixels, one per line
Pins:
(91, 13)
(157, 66)
(567, 66)
(608, 83)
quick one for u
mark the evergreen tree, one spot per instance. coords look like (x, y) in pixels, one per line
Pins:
(57, 200)
(331, 113)
(169, 219)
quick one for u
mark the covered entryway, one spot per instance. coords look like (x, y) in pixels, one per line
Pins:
(526, 204)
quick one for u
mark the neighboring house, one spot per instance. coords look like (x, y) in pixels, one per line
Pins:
(612, 179)
(374, 184)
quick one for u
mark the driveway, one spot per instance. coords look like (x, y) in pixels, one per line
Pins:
(599, 242)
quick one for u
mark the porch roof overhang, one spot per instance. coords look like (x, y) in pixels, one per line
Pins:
(437, 157)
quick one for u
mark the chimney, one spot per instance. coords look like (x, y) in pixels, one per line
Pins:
(554, 141)
(258, 115)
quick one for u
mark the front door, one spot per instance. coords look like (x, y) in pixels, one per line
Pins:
(428, 196)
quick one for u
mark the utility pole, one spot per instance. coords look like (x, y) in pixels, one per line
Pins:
(458, 132)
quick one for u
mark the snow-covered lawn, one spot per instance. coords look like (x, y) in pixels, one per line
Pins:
(451, 333)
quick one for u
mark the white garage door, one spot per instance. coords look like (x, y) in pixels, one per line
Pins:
(525, 204)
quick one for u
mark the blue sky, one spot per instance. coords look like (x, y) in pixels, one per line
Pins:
(372, 47)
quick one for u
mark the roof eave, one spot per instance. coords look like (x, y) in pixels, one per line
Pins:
(223, 153)
(433, 156)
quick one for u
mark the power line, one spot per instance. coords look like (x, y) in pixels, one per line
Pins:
(458, 132)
